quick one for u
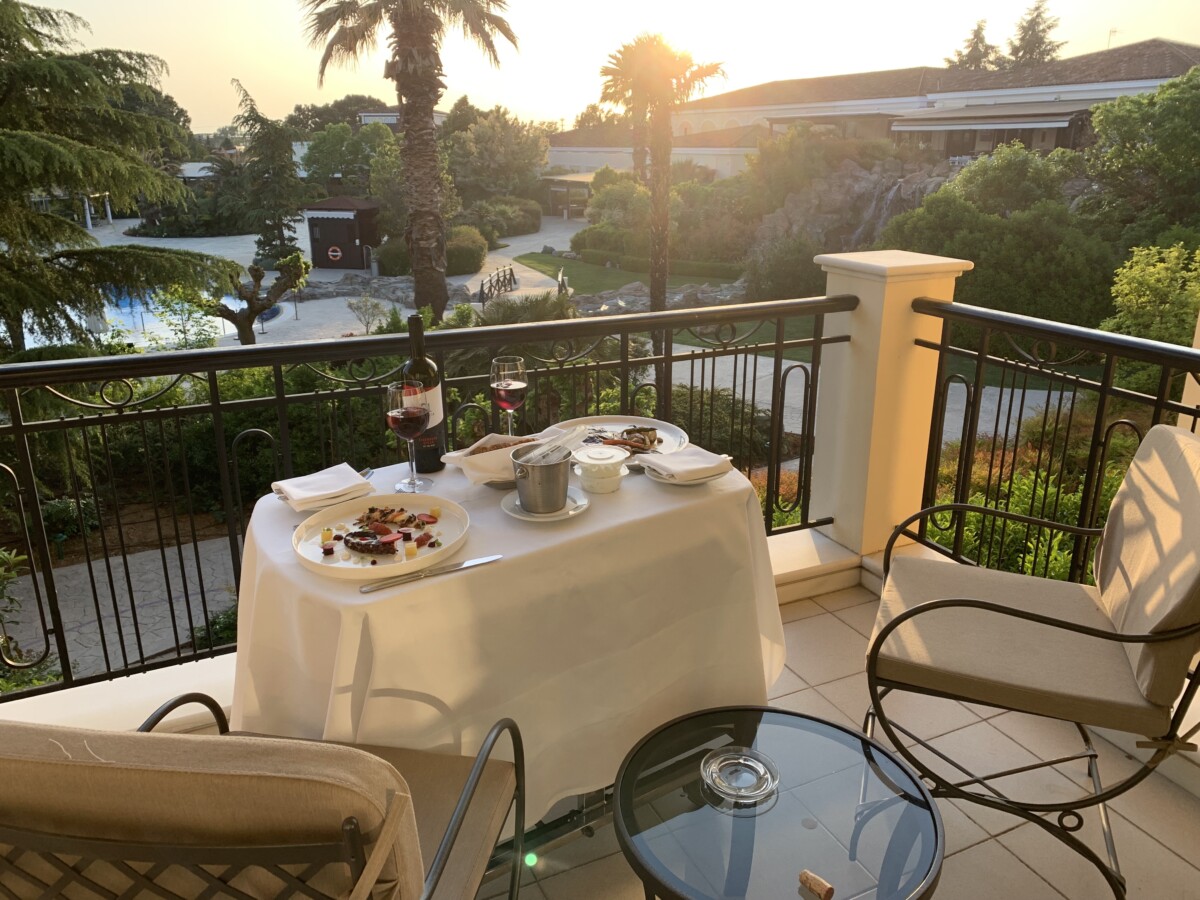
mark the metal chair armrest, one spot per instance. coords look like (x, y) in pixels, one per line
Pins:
(900, 529)
(170, 706)
(464, 799)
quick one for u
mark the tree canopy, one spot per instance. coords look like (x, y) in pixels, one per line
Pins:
(310, 118)
(1031, 44)
(976, 55)
(66, 135)
(499, 154)
(1011, 178)
(340, 159)
(596, 116)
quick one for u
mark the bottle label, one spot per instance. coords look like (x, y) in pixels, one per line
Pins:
(436, 411)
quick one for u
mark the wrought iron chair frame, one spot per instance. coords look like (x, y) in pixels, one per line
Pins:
(349, 851)
(1068, 819)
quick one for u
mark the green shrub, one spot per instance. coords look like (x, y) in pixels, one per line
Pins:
(527, 218)
(605, 236)
(783, 269)
(393, 259)
(600, 257)
(68, 517)
(466, 249)
(221, 629)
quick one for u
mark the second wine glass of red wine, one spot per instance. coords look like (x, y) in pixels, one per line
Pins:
(509, 384)
(408, 417)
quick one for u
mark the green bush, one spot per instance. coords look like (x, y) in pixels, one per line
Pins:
(466, 249)
(220, 630)
(604, 236)
(68, 517)
(783, 269)
(393, 259)
(527, 218)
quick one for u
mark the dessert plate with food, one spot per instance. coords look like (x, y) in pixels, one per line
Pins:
(381, 535)
(636, 434)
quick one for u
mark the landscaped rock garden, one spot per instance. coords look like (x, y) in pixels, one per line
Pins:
(397, 289)
(635, 297)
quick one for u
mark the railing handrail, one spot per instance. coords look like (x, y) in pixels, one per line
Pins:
(1126, 346)
(20, 375)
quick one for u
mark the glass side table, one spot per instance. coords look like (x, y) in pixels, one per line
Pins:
(736, 802)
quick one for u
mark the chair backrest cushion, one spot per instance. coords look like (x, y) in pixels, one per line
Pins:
(204, 790)
(1148, 563)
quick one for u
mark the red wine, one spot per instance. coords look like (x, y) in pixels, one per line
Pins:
(432, 443)
(509, 395)
(409, 422)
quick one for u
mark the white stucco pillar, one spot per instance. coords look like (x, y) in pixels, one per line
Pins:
(1191, 390)
(877, 392)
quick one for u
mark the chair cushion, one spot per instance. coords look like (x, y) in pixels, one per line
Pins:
(436, 780)
(1148, 562)
(1010, 663)
(200, 790)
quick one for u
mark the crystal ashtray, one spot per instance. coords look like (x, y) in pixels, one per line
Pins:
(740, 775)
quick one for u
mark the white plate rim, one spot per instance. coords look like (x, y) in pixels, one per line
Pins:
(508, 504)
(695, 482)
(634, 421)
(347, 511)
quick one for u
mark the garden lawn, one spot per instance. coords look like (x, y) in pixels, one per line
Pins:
(586, 278)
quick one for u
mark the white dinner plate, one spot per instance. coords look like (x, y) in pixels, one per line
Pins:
(672, 438)
(654, 476)
(577, 502)
(451, 531)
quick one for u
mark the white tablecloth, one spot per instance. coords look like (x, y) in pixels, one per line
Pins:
(654, 602)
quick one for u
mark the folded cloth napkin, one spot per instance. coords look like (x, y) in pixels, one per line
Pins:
(494, 465)
(324, 488)
(689, 464)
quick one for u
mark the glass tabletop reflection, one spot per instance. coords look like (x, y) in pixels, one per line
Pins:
(737, 802)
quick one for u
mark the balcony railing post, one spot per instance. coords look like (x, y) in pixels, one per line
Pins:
(873, 418)
(1191, 389)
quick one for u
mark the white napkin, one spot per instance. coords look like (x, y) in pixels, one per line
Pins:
(692, 463)
(324, 488)
(480, 468)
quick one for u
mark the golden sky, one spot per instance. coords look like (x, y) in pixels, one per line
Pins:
(563, 44)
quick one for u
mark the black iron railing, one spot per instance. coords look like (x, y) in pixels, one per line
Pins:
(1041, 419)
(499, 282)
(127, 480)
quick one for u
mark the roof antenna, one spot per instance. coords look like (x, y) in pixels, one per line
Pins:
(1111, 32)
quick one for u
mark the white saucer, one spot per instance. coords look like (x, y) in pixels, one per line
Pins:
(576, 503)
(624, 471)
(654, 476)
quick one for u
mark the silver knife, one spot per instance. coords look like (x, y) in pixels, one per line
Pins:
(427, 573)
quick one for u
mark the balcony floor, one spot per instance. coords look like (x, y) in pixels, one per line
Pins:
(989, 854)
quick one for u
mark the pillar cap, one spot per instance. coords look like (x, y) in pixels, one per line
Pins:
(886, 264)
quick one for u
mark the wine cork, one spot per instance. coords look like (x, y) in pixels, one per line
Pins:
(818, 885)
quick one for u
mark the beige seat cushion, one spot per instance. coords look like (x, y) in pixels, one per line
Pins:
(436, 780)
(1148, 564)
(188, 789)
(1007, 662)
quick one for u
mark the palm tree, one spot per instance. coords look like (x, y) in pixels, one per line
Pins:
(620, 76)
(650, 79)
(348, 28)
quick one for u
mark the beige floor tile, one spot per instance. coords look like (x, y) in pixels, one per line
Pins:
(1052, 739)
(926, 716)
(961, 831)
(861, 618)
(605, 879)
(1152, 872)
(988, 871)
(844, 599)
(823, 648)
(985, 712)
(800, 609)
(811, 703)
(498, 887)
(1166, 812)
(788, 682)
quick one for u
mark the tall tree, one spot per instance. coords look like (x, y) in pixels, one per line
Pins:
(620, 76)
(656, 78)
(64, 134)
(340, 159)
(309, 118)
(595, 116)
(499, 154)
(463, 114)
(976, 55)
(277, 192)
(1031, 44)
(348, 28)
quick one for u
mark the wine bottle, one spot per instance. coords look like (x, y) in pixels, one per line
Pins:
(419, 367)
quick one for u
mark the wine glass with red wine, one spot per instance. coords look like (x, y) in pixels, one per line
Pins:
(408, 417)
(509, 385)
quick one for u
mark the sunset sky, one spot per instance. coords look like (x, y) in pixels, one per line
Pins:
(563, 44)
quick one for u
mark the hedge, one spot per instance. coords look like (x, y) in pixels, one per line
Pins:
(529, 221)
(675, 267)
(466, 249)
(393, 259)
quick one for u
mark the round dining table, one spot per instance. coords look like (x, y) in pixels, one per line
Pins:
(655, 601)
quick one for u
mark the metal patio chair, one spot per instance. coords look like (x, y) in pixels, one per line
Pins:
(1113, 656)
(88, 814)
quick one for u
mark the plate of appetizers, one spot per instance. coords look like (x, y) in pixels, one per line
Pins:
(635, 433)
(380, 535)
